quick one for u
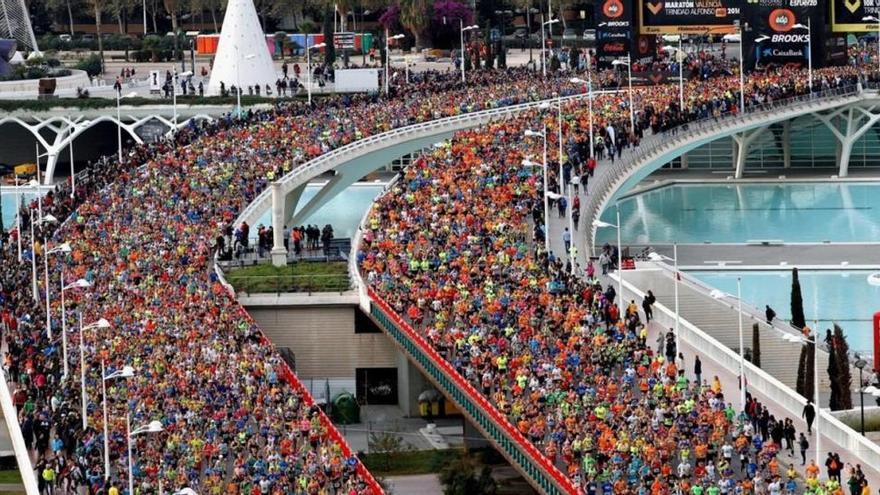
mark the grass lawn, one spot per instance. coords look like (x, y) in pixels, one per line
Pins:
(299, 277)
(10, 476)
(406, 463)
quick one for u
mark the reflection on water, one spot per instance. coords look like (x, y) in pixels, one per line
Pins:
(792, 212)
(842, 297)
(344, 212)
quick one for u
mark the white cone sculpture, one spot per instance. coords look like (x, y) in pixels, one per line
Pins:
(242, 54)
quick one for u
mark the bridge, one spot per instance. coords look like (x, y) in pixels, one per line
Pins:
(850, 111)
(58, 128)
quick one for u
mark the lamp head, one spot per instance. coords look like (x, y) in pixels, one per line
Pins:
(154, 427)
(601, 224)
(577, 80)
(49, 218)
(874, 279)
(126, 372)
(82, 284)
(102, 323)
(655, 256)
(64, 247)
(716, 294)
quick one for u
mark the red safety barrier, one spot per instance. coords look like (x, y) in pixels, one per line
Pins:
(288, 376)
(499, 419)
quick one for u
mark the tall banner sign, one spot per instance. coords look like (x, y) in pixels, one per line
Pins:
(847, 15)
(688, 16)
(775, 32)
(614, 31)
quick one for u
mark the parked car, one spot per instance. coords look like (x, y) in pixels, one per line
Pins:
(589, 35)
(569, 34)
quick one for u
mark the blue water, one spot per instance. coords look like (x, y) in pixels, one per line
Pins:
(8, 200)
(792, 212)
(842, 297)
(344, 212)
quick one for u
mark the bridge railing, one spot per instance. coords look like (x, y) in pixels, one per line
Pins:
(306, 171)
(677, 135)
(543, 474)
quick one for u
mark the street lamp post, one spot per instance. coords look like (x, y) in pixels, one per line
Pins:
(531, 133)
(674, 259)
(79, 284)
(877, 20)
(462, 29)
(618, 227)
(388, 56)
(680, 56)
(632, 118)
(742, 77)
(809, 50)
(317, 46)
(860, 364)
(249, 56)
(544, 45)
(119, 98)
(102, 323)
(125, 372)
(152, 427)
(48, 219)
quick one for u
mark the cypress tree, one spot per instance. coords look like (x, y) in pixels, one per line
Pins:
(756, 345)
(844, 374)
(833, 375)
(797, 301)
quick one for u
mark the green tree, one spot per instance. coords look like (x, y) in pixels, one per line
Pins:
(806, 376)
(330, 49)
(841, 375)
(756, 345)
(172, 7)
(415, 15)
(98, 8)
(467, 475)
(805, 373)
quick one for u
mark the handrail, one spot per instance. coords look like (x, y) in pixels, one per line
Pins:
(558, 477)
(307, 169)
(290, 377)
(674, 137)
(833, 428)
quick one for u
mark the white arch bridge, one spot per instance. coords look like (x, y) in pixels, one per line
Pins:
(57, 129)
(848, 113)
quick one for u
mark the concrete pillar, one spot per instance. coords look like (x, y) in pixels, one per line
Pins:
(786, 144)
(684, 161)
(279, 254)
(51, 161)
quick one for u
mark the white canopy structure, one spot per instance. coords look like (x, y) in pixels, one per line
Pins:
(242, 54)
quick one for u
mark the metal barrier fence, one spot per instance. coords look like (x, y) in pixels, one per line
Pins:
(539, 470)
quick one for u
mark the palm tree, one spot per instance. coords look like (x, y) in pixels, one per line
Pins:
(98, 6)
(415, 16)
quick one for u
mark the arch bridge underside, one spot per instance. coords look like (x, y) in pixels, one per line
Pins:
(846, 114)
(57, 130)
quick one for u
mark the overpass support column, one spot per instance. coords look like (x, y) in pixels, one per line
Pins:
(684, 161)
(743, 141)
(786, 144)
(856, 122)
(291, 200)
(279, 254)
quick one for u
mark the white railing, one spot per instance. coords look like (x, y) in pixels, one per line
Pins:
(331, 159)
(611, 177)
(759, 380)
(353, 269)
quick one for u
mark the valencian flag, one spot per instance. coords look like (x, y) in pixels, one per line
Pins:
(614, 31)
(775, 33)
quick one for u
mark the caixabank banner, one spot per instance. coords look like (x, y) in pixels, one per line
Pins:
(848, 15)
(778, 33)
(688, 16)
(614, 31)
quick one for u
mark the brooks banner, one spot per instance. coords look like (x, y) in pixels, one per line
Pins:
(777, 33)
(688, 16)
(614, 31)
